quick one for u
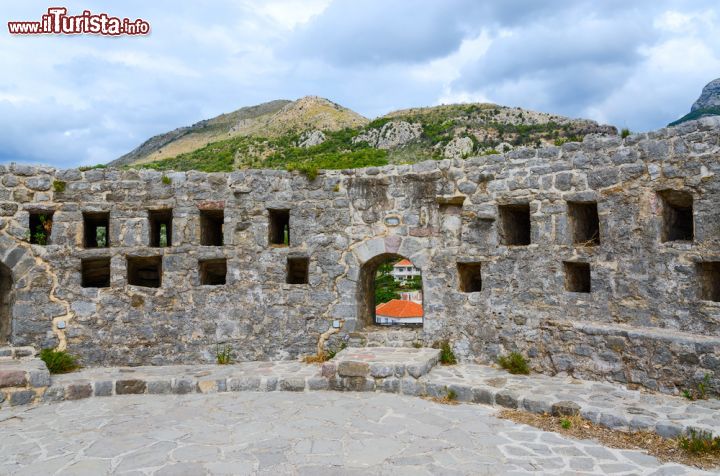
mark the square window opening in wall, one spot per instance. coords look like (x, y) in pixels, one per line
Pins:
(213, 272)
(96, 227)
(144, 271)
(470, 277)
(297, 270)
(160, 228)
(211, 227)
(514, 226)
(40, 227)
(709, 277)
(584, 223)
(677, 212)
(279, 227)
(577, 277)
(95, 272)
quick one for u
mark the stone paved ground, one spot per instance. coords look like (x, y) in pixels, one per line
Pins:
(607, 404)
(294, 433)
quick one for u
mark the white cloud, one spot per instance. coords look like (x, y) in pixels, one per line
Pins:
(78, 100)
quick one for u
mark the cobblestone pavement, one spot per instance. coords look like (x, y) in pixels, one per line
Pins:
(294, 433)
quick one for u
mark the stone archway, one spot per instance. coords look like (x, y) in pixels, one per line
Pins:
(6, 301)
(366, 287)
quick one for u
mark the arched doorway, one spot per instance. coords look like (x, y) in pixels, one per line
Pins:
(390, 292)
(6, 300)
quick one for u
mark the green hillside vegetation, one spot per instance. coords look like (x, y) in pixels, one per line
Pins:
(491, 129)
(697, 114)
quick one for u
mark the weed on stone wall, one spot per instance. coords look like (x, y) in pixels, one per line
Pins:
(58, 361)
(59, 186)
(514, 363)
(700, 390)
(447, 356)
(223, 355)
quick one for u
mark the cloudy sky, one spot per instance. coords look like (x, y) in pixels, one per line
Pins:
(81, 100)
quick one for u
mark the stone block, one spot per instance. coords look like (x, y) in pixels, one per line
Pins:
(130, 387)
(54, 394)
(506, 399)
(317, 383)
(463, 393)
(483, 395)
(159, 387)
(353, 369)
(39, 378)
(183, 386)
(12, 378)
(207, 386)
(534, 405)
(379, 370)
(243, 384)
(292, 384)
(77, 391)
(411, 386)
(565, 408)
(22, 397)
(103, 388)
(328, 369)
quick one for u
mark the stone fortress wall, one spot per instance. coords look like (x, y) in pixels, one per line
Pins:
(600, 259)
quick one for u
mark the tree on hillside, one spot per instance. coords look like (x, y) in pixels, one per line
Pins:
(386, 288)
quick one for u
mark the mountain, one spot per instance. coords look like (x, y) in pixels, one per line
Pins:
(708, 104)
(313, 133)
(271, 119)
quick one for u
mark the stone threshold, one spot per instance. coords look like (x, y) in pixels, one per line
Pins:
(382, 370)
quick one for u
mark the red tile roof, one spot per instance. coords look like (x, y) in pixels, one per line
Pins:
(399, 309)
(404, 262)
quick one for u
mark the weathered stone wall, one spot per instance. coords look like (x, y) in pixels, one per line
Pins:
(644, 322)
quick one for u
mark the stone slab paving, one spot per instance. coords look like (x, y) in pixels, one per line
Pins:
(400, 371)
(607, 404)
(322, 433)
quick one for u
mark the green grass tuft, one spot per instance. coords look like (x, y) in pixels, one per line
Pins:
(699, 442)
(59, 186)
(223, 355)
(58, 361)
(447, 356)
(514, 363)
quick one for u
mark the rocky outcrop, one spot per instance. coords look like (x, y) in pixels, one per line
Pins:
(391, 135)
(311, 138)
(458, 148)
(710, 96)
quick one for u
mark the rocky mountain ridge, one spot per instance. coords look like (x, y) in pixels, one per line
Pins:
(315, 132)
(708, 104)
